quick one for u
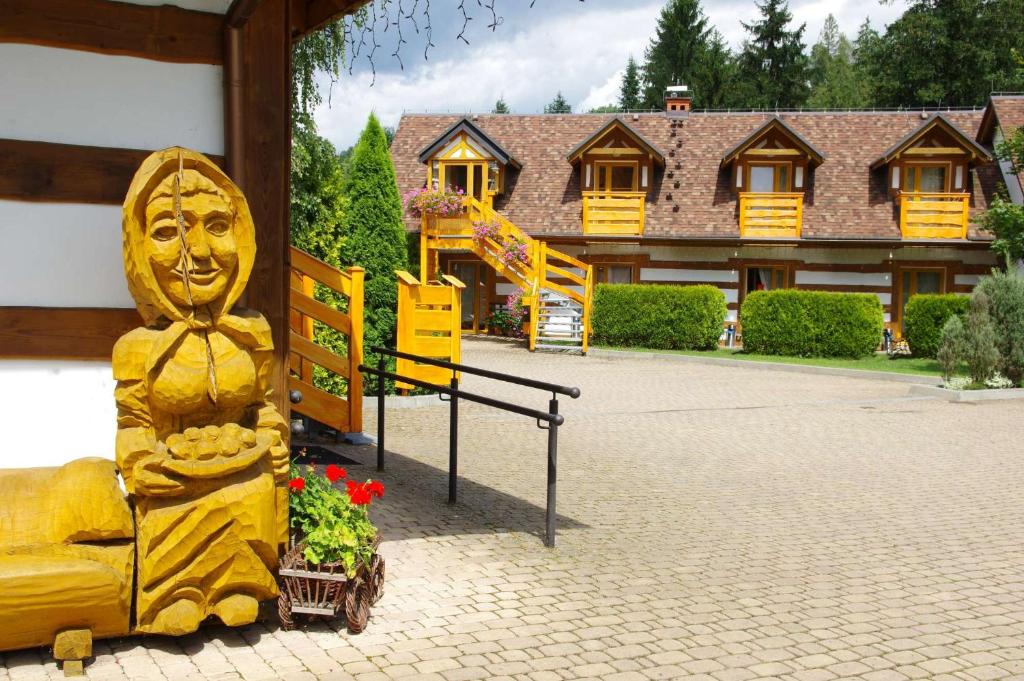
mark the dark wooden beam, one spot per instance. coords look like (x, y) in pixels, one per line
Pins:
(43, 171)
(258, 134)
(163, 33)
(319, 13)
(63, 332)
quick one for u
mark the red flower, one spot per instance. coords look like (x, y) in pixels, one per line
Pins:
(296, 484)
(376, 488)
(335, 473)
(357, 494)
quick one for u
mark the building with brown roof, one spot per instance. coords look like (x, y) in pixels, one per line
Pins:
(868, 201)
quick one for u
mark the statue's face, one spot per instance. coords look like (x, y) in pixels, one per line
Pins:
(210, 248)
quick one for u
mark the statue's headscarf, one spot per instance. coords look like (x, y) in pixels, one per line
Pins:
(151, 300)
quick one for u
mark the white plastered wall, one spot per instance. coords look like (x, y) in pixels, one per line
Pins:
(69, 255)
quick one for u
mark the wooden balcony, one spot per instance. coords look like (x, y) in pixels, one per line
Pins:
(934, 215)
(771, 214)
(613, 213)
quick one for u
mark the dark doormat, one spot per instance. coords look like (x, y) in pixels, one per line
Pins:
(320, 456)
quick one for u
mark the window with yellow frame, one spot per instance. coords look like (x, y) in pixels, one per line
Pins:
(617, 176)
(768, 177)
(930, 178)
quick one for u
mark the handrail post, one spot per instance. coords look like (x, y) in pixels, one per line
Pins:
(549, 538)
(381, 366)
(453, 442)
(355, 350)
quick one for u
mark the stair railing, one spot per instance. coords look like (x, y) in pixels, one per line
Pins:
(343, 414)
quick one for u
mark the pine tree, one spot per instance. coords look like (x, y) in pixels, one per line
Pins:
(629, 93)
(558, 105)
(836, 80)
(500, 107)
(680, 41)
(375, 236)
(714, 77)
(773, 66)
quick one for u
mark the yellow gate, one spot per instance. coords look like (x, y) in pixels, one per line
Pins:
(429, 324)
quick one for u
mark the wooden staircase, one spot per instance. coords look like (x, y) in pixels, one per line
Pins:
(344, 414)
(557, 287)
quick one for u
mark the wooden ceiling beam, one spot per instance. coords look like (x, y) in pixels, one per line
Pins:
(318, 13)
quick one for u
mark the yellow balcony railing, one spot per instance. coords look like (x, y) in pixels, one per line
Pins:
(771, 214)
(934, 215)
(613, 213)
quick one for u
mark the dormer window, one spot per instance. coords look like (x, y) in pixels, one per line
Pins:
(616, 170)
(465, 158)
(928, 172)
(769, 172)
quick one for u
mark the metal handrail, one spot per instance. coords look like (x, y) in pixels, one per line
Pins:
(556, 419)
(551, 417)
(486, 373)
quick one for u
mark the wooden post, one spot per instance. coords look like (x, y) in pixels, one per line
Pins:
(424, 248)
(308, 288)
(258, 136)
(355, 350)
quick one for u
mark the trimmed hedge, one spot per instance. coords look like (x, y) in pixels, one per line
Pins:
(811, 323)
(924, 317)
(660, 317)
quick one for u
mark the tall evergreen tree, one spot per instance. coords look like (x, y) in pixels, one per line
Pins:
(678, 46)
(629, 93)
(558, 105)
(773, 66)
(500, 107)
(836, 81)
(714, 77)
(375, 236)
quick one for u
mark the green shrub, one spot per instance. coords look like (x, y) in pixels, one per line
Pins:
(662, 317)
(811, 323)
(924, 317)
(375, 239)
(979, 347)
(951, 347)
(1005, 294)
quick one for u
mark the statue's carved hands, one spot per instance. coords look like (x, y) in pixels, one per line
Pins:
(280, 455)
(150, 478)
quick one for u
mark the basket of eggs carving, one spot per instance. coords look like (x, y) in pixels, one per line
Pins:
(332, 568)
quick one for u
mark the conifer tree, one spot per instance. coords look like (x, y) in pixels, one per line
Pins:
(679, 43)
(773, 66)
(837, 82)
(500, 107)
(558, 105)
(375, 236)
(629, 93)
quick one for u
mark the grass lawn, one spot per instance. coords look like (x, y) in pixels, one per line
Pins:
(878, 362)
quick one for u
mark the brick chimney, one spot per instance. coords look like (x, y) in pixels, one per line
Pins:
(678, 99)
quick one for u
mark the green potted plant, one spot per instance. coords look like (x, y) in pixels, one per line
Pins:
(333, 564)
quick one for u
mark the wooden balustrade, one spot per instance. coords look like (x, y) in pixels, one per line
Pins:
(344, 414)
(934, 215)
(771, 214)
(613, 213)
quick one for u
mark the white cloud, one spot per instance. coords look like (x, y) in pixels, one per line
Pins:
(527, 68)
(581, 52)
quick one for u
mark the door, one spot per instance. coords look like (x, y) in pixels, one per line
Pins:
(616, 176)
(609, 273)
(475, 299)
(766, 178)
(910, 282)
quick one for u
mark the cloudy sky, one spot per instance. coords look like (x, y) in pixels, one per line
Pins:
(579, 48)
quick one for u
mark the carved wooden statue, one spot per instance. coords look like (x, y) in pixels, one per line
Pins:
(200, 445)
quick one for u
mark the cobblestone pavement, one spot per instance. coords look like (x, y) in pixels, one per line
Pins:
(715, 523)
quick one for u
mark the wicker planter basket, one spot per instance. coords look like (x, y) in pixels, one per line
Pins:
(326, 591)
